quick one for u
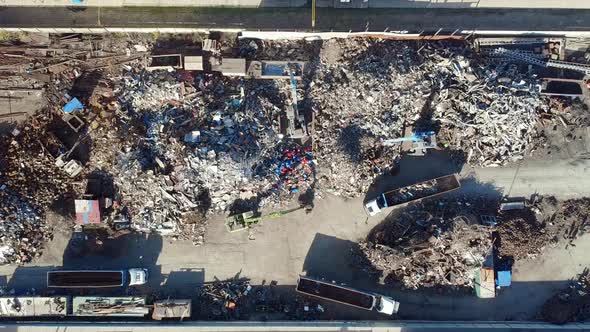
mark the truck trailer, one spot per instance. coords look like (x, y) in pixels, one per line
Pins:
(347, 295)
(412, 193)
(33, 306)
(96, 278)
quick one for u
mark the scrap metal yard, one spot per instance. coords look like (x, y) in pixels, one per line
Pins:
(444, 176)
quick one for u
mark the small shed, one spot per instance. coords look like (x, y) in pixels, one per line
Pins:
(485, 285)
(87, 212)
(33, 306)
(504, 278)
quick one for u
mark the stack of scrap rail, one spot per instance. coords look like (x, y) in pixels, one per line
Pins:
(571, 304)
(364, 91)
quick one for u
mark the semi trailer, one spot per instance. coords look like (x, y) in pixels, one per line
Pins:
(347, 295)
(96, 278)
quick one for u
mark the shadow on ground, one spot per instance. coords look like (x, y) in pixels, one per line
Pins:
(102, 252)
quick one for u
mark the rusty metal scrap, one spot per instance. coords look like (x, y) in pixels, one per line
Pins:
(440, 243)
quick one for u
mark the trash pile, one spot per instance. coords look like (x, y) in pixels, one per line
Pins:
(236, 299)
(431, 244)
(223, 300)
(544, 222)
(205, 134)
(522, 235)
(364, 91)
(566, 220)
(571, 304)
(22, 228)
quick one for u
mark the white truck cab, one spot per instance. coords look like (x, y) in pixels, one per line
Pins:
(137, 277)
(387, 305)
(372, 207)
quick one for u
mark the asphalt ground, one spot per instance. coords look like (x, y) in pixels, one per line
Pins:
(291, 19)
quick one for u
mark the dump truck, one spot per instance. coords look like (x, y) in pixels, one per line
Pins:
(347, 295)
(412, 193)
(96, 278)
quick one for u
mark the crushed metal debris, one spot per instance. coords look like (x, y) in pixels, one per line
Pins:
(571, 304)
(440, 243)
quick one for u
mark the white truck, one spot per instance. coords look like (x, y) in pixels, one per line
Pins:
(415, 192)
(347, 295)
(96, 278)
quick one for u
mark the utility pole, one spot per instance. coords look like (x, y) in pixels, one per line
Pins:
(312, 15)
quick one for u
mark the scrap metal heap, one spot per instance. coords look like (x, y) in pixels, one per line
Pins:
(236, 299)
(206, 144)
(22, 228)
(431, 244)
(441, 243)
(365, 91)
(178, 144)
(571, 304)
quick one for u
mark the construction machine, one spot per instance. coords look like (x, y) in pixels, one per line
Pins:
(416, 143)
(242, 221)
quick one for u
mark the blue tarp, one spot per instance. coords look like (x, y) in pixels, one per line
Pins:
(504, 278)
(73, 105)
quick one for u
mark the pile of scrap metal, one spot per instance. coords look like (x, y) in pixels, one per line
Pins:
(23, 228)
(29, 306)
(236, 299)
(110, 306)
(571, 304)
(223, 300)
(487, 111)
(172, 309)
(444, 243)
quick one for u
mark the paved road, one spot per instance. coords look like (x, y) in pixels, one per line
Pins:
(335, 326)
(570, 4)
(288, 19)
(563, 178)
